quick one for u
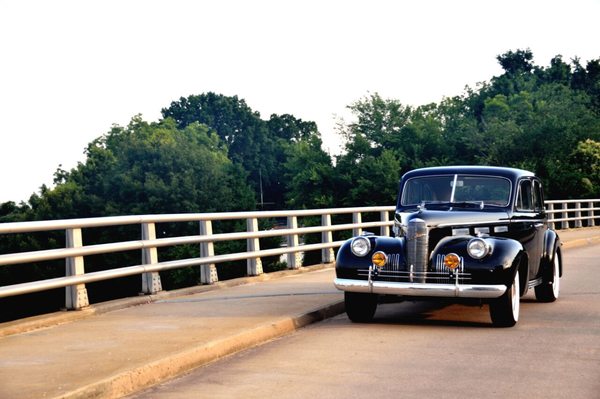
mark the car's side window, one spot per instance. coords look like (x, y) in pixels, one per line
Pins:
(525, 197)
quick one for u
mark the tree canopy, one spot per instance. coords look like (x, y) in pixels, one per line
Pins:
(545, 120)
(147, 168)
(212, 152)
(258, 146)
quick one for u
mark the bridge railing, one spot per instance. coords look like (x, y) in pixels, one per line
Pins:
(563, 214)
(75, 251)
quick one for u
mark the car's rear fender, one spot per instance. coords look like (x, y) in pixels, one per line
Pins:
(551, 249)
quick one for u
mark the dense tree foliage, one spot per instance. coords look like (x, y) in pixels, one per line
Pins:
(259, 146)
(309, 176)
(541, 119)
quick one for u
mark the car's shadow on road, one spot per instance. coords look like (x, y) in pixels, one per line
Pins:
(434, 313)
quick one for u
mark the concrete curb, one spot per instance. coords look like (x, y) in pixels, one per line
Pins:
(145, 376)
(581, 242)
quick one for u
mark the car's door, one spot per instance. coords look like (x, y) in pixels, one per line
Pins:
(529, 222)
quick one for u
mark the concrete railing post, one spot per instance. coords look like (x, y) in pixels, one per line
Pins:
(294, 259)
(551, 214)
(254, 265)
(565, 215)
(327, 255)
(208, 272)
(356, 219)
(578, 215)
(385, 217)
(75, 295)
(591, 222)
(151, 283)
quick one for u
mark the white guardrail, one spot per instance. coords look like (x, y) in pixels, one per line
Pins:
(572, 213)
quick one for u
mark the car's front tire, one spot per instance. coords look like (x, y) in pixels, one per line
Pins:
(549, 290)
(504, 311)
(360, 307)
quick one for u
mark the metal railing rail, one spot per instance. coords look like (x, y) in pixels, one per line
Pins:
(571, 213)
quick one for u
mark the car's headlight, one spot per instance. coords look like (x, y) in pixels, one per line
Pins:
(478, 248)
(360, 246)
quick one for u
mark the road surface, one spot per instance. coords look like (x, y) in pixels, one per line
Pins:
(425, 350)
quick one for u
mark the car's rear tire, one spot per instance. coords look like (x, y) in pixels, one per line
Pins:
(360, 307)
(549, 290)
(504, 311)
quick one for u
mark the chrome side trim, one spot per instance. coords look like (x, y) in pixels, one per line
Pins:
(527, 220)
(421, 289)
(478, 222)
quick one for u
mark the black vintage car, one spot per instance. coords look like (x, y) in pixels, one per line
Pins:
(459, 232)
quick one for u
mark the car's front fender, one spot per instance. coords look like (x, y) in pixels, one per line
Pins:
(346, 263)
(499, 266)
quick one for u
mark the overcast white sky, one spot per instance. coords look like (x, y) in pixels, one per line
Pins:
(70, 69)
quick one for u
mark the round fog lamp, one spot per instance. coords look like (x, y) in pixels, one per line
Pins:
(360, 246)
(452, 261)
(478, 248)
(379, 259)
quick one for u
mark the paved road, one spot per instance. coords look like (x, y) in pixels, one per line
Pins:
(424, 350)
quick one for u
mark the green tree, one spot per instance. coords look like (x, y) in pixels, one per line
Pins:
(558, 72)
(515, 62)
(246, 135)
(578, 176)
(309, 175)
(586, 159)
(150, 168)
(257, 145)
(587, 79)
(288, 132)
(387, 140)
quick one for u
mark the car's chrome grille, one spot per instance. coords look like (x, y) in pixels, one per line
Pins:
(439, 273)
(440, 267)
(416, 248)
(393, 263)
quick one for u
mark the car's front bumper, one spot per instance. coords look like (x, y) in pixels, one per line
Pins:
(421, 289)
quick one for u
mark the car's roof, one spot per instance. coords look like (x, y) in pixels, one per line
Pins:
(510, 173)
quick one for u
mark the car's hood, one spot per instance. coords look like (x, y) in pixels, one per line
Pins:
(447, 218)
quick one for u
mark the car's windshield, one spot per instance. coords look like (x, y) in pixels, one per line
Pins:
(456, 189)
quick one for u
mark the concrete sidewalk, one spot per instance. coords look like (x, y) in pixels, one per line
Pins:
(117, 348)
(576, 237)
